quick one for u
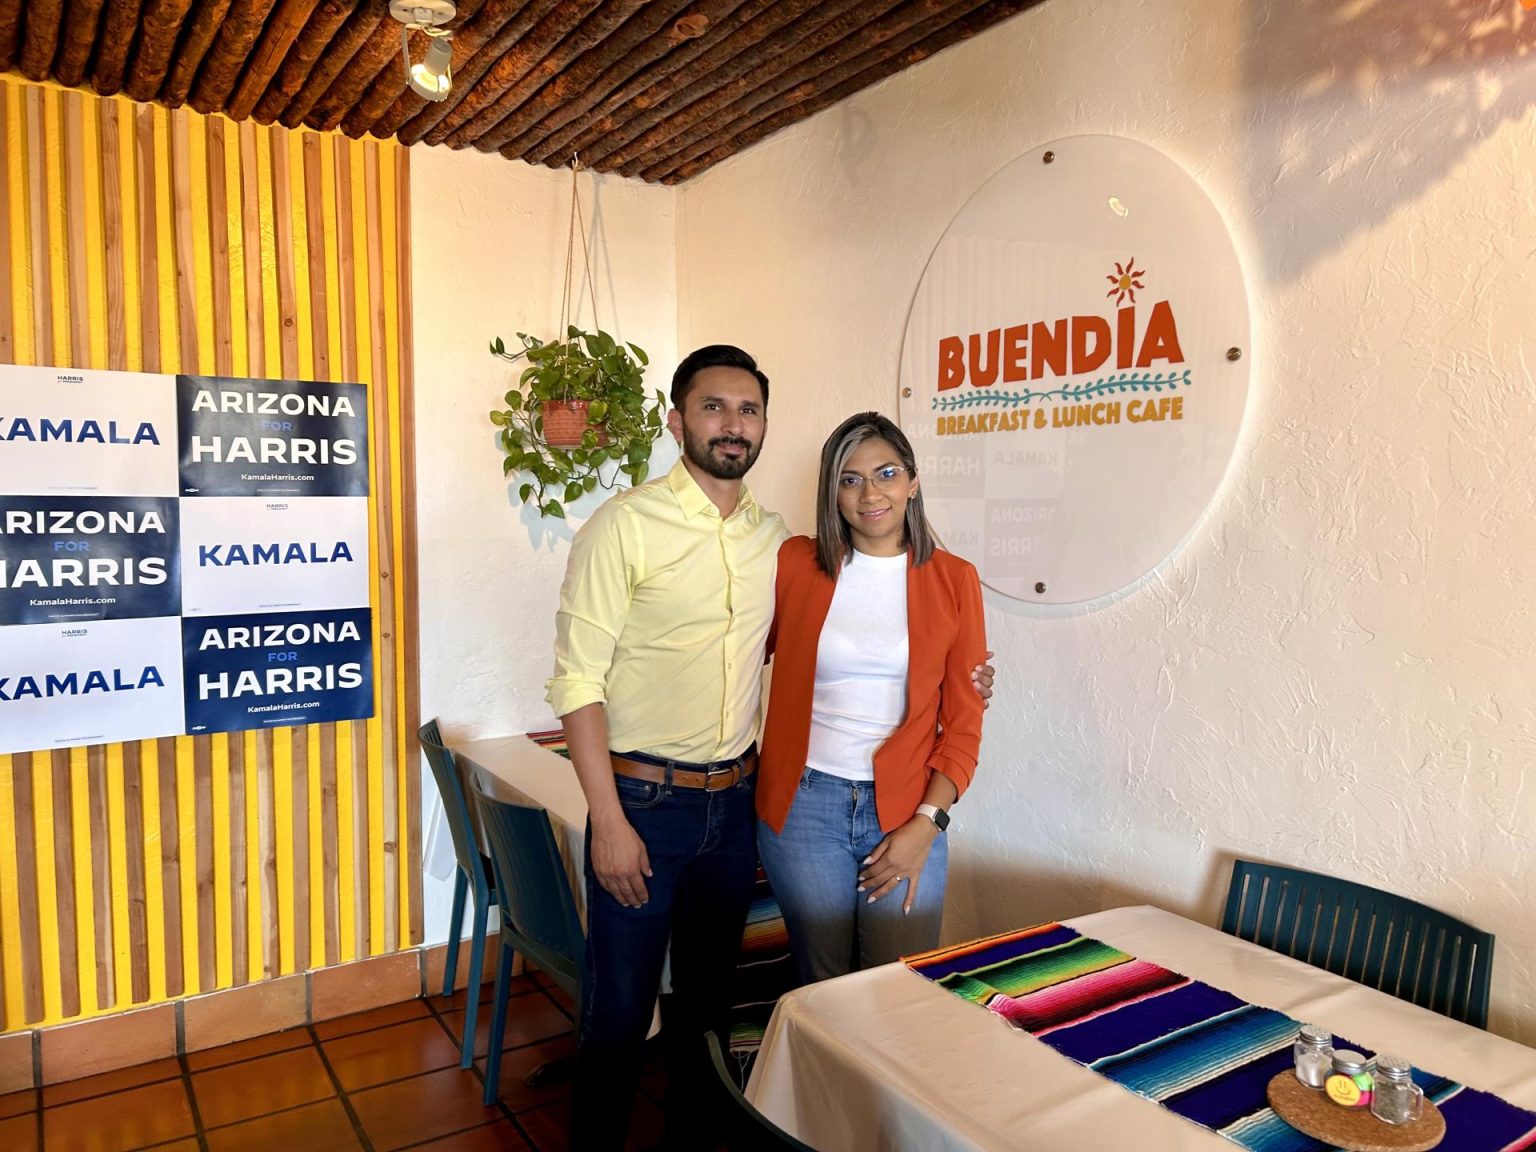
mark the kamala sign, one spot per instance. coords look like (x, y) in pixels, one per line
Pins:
(1073, 375)
(180, 554)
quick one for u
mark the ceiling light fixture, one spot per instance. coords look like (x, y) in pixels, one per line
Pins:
(433, 77)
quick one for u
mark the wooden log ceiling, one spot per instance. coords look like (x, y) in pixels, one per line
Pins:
(660, 90)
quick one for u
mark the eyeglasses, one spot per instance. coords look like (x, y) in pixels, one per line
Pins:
(884, 479)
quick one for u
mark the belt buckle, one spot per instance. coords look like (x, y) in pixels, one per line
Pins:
(728, 778)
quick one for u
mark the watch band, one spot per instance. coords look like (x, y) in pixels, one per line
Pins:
(939, 817)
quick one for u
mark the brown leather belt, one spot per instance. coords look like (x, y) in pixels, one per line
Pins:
(716, 780)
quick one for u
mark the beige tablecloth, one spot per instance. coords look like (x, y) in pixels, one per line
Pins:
(886, 1059)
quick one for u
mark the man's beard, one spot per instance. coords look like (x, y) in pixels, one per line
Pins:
(702, 454)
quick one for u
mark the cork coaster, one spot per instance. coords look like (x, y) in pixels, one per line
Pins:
(1309, 1111)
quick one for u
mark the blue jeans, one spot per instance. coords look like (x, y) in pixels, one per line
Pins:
(814, 865)
(704, 866)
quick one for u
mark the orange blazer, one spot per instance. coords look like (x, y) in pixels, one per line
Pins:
(946, 635)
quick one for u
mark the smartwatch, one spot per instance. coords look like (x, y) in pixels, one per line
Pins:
(939, 817)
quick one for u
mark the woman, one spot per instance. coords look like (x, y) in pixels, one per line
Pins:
(873, 722)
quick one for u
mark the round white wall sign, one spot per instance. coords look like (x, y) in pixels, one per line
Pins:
(1075, 369)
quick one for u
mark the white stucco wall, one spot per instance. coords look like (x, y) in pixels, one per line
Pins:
(488, 241)
(1339, 669)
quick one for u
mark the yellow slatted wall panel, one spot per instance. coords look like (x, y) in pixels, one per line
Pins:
(136, 238)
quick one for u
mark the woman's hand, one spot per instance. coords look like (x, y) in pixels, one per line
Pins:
(900, 856)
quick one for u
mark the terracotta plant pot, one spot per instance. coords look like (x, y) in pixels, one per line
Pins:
(566, 420)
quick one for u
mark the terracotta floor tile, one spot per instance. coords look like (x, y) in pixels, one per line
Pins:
(19, 1134)
(517, 1064)
(15, 1103)
(520, 986)
(563, 998)
(108, 1082)
(422, 1108)
(530, 1019)
(249, 1049)
(502, 1136)
(376, 1018)
(322, 1127)
(409, 1049)
(241, 1091)
(178, 1146)
(131, 1119)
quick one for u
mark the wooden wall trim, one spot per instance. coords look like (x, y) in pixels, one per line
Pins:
(137, 238)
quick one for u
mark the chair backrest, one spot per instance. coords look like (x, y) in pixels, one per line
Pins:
(532, 887)
(1385, 941)
(450, 786)
(751, 1131)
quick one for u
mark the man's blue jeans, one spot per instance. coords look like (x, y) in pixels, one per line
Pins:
(813, 866)
(704, 863)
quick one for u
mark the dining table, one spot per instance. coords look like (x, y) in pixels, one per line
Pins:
(886, 1059)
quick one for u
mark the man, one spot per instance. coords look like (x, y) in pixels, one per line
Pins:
(659, 647)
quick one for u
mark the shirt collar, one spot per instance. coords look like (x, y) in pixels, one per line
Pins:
(693, 501)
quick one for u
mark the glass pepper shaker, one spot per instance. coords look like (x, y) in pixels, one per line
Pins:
(1397, 1099)
(1350, 1083)
(1314, 1055)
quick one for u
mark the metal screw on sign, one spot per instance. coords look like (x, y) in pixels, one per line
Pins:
(906, 393)
(1234, 354)
(1049, 158)
(1040, 586)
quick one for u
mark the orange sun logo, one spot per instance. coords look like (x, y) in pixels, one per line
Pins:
(1124, 282)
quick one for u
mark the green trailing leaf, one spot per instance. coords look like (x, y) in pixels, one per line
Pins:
(573, 491)
(552, 508)
(524, 492)
(641, 356)
(499, 419)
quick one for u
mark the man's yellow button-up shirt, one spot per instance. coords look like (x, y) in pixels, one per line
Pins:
(664, 618)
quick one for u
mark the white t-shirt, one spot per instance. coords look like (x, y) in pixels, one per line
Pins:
(861, 667)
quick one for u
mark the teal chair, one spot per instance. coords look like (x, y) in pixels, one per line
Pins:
(471, 878)
(747, 1129)
(538, 916)
(1387, 942)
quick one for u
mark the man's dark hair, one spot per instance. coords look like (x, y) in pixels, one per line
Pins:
(713, 356)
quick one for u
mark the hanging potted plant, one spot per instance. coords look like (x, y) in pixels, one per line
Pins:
(579, 416)
(580, 405)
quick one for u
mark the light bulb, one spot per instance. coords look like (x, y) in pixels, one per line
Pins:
(433, 77)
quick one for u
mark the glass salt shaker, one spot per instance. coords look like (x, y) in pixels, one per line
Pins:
(1397, 1099)
(1314, 1055)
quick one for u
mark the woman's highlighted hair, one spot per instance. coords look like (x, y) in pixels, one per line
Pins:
(834, 539)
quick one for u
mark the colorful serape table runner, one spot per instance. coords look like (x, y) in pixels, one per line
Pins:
(765, 971)
(1201, 1053)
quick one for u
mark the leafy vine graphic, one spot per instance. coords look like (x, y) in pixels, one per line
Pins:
(1104, 385)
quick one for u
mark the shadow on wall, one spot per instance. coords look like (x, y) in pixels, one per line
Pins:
(1358, 108)
(984, 899)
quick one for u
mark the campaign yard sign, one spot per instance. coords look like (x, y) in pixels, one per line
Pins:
(180, 554)
(269, 669)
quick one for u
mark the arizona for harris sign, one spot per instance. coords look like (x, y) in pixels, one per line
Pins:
(1074, 371)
